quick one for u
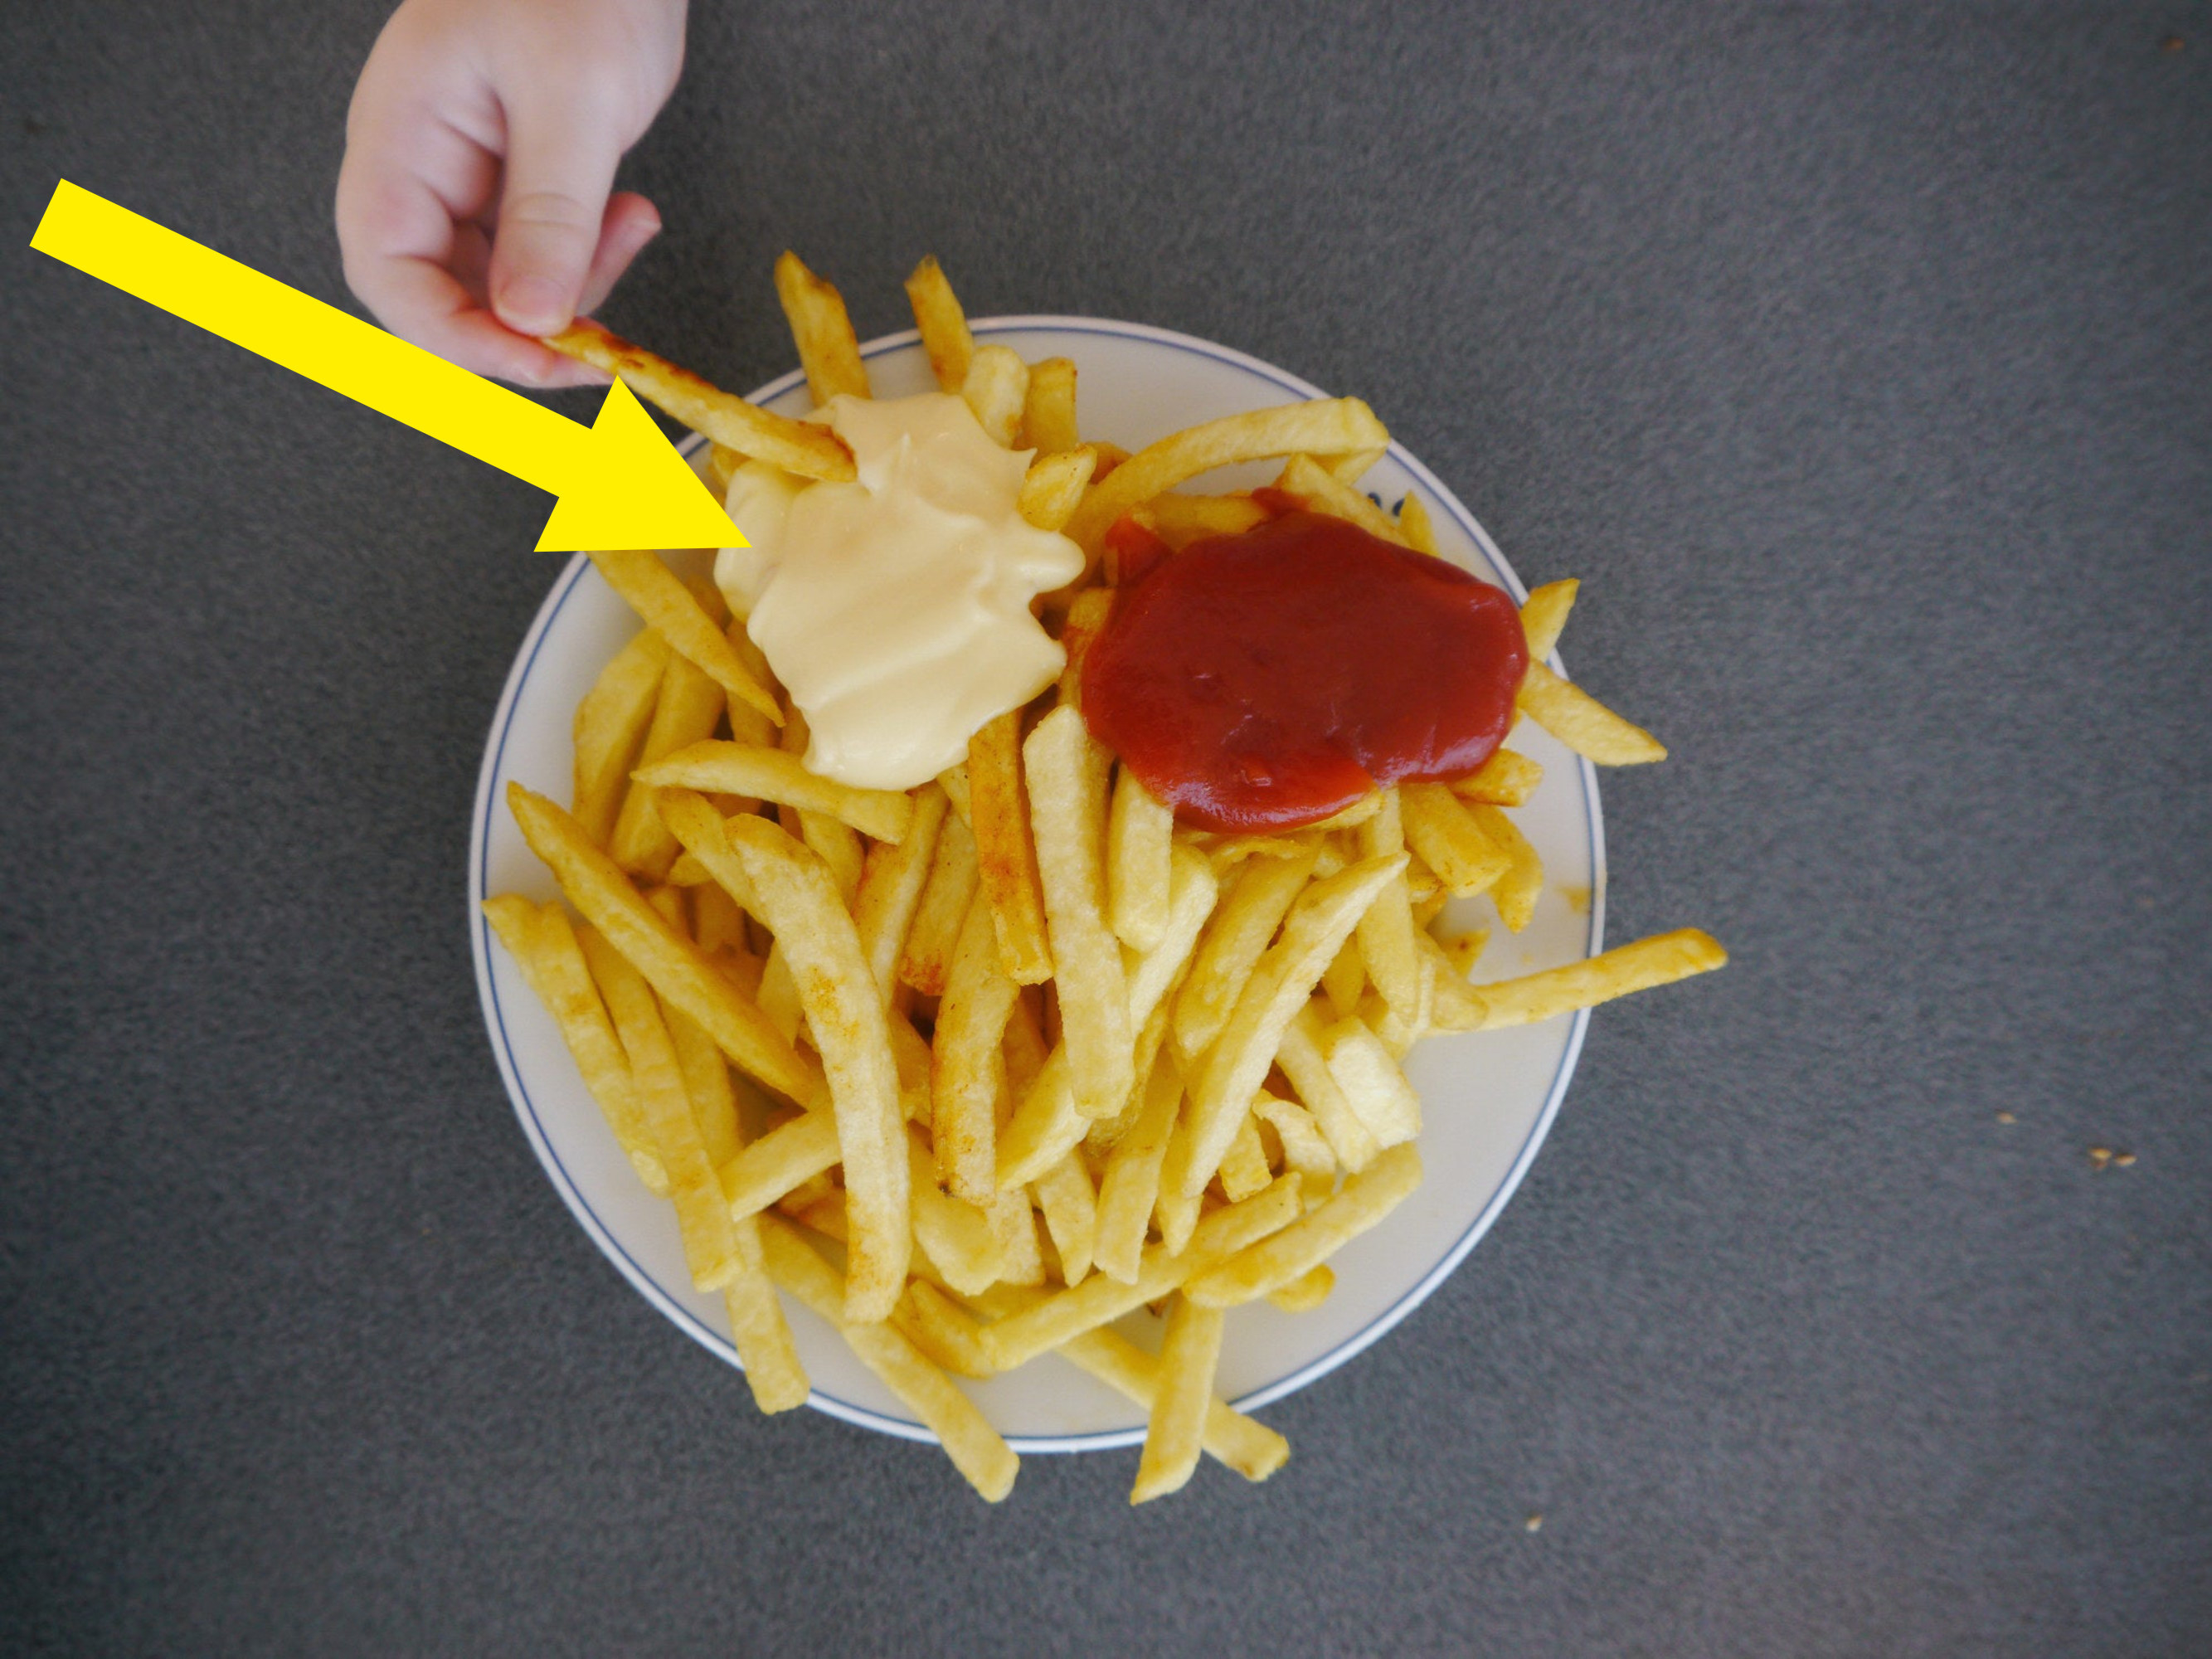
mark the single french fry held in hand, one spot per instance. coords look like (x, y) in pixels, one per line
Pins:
(1583, 723)
(1276, 1260)
(944, 324)
(610, 730)
(1189, 1354)
(799, 902)
(811, 452)
(1660, 960)
(828, 350)
(1322, 427)
(651, 589)
(671, 963)
(739, 769)
(999, 813)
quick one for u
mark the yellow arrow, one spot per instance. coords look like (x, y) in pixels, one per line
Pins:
(621, 483)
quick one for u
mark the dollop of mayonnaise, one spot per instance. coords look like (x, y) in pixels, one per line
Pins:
(896, 608)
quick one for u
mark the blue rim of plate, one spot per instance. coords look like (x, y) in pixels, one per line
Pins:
(714, 1341)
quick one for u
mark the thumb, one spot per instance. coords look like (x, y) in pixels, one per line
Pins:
(561, 157)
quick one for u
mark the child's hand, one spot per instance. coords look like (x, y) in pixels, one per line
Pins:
(473, 208)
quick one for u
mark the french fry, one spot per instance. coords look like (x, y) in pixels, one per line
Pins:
(1235, 940)
(544, 945)
(1347, 977)
(687, 709)
(1189, 1354)
(1448, 838)
(758, 1329)
(890, 887)
(997, 385)
(1100, 1301)
(1052, 488)
(1545, 615)
(1175, 1211)
(1415, 525)
(945, 1332)
(1317, 925)
(976, 1449)
(1179, 520)
(1300, 1056)
(971, 1020)
(1013, 1225)
(800, 903)
(1131, 1182)
(1515, 893)
(722, 464)
(1049, 412)
(1305, 1148)
(1140, 840)
(1069, 1204)
(1193, 891)
(706, 1081)
(1322, 427)
(1583, 723)
(1067, 809)
(702, 1214)
(1464, 950)
(953, 780)
(652, 590)
(838, 845)
(1459, 1006)
(1087, 614)
(1660, 960)
(1386, 932)
(1244, 1166)
(1506, 779)
(779, 1163)
(1322, 492)
(811, 452)
(671, 963)
(943, 325)
(828, 350)
(611, 725)
(738, 768)
(1274, 1261)
(1248, 1447)
(1351, 468)
(935, 933)
(999, 813)
(959, 1239)
(1367, 1073)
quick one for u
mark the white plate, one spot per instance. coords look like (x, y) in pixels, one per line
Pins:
(1488, 1099)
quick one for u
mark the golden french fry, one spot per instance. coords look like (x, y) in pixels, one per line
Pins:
(1131, 1183)
(1459, 1006)
(1189, 1354)
(1583, 723)
(706, 1081)
(1386, 932)
(779, 1163)
(1049, 413)
(1351, 468)
(1244, 1169)
(1450, 841)
(1235, 940)
(1322, 492)
(1464, 950)
(1013, 1225)
(958, 1238)
(1317, 925)
(1660, 960)
(611, 725)
(758, 1329)
(702, 1214)
(1301, 1058)
(812, 452)
(1544, 615)
(999, 813)
(828, 350)
(544, 945)
(935, 932)
(1087, 614)
(890, 887)
(800, 903)
(1523, 879)
(1415, 525)
(963, 1081)
(1307, 1291)
(1067, 809)
(1100, 1300)
(739, 769)
(674, 966)
(1179, 520)
(652, 590)
(1175, 1211)
(687, 709)
(1052, 488)
(1322, 427)
(1069, 1204)
(976, 1449)
(946, 1333)
(838, 845)
(943, 325)
(1274, 1261)
(953, 780)
(722, 464)
(1367, 1073)
(1306, 1149)
(1347, 977)
(1139, 840)
(997, 385)
(1504, 780)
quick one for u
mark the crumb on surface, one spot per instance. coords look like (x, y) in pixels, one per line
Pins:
(2100, 1157)
(2007, 1117)
(2172, 43)
(2121, 1160)
(1533, 1524)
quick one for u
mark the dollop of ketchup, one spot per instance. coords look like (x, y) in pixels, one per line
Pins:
(1268, 680)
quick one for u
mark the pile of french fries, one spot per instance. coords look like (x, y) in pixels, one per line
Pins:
(975, 1070)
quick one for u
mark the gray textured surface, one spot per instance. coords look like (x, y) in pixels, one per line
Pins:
(1860, 361)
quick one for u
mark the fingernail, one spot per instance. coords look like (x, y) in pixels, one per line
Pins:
(531, 302)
